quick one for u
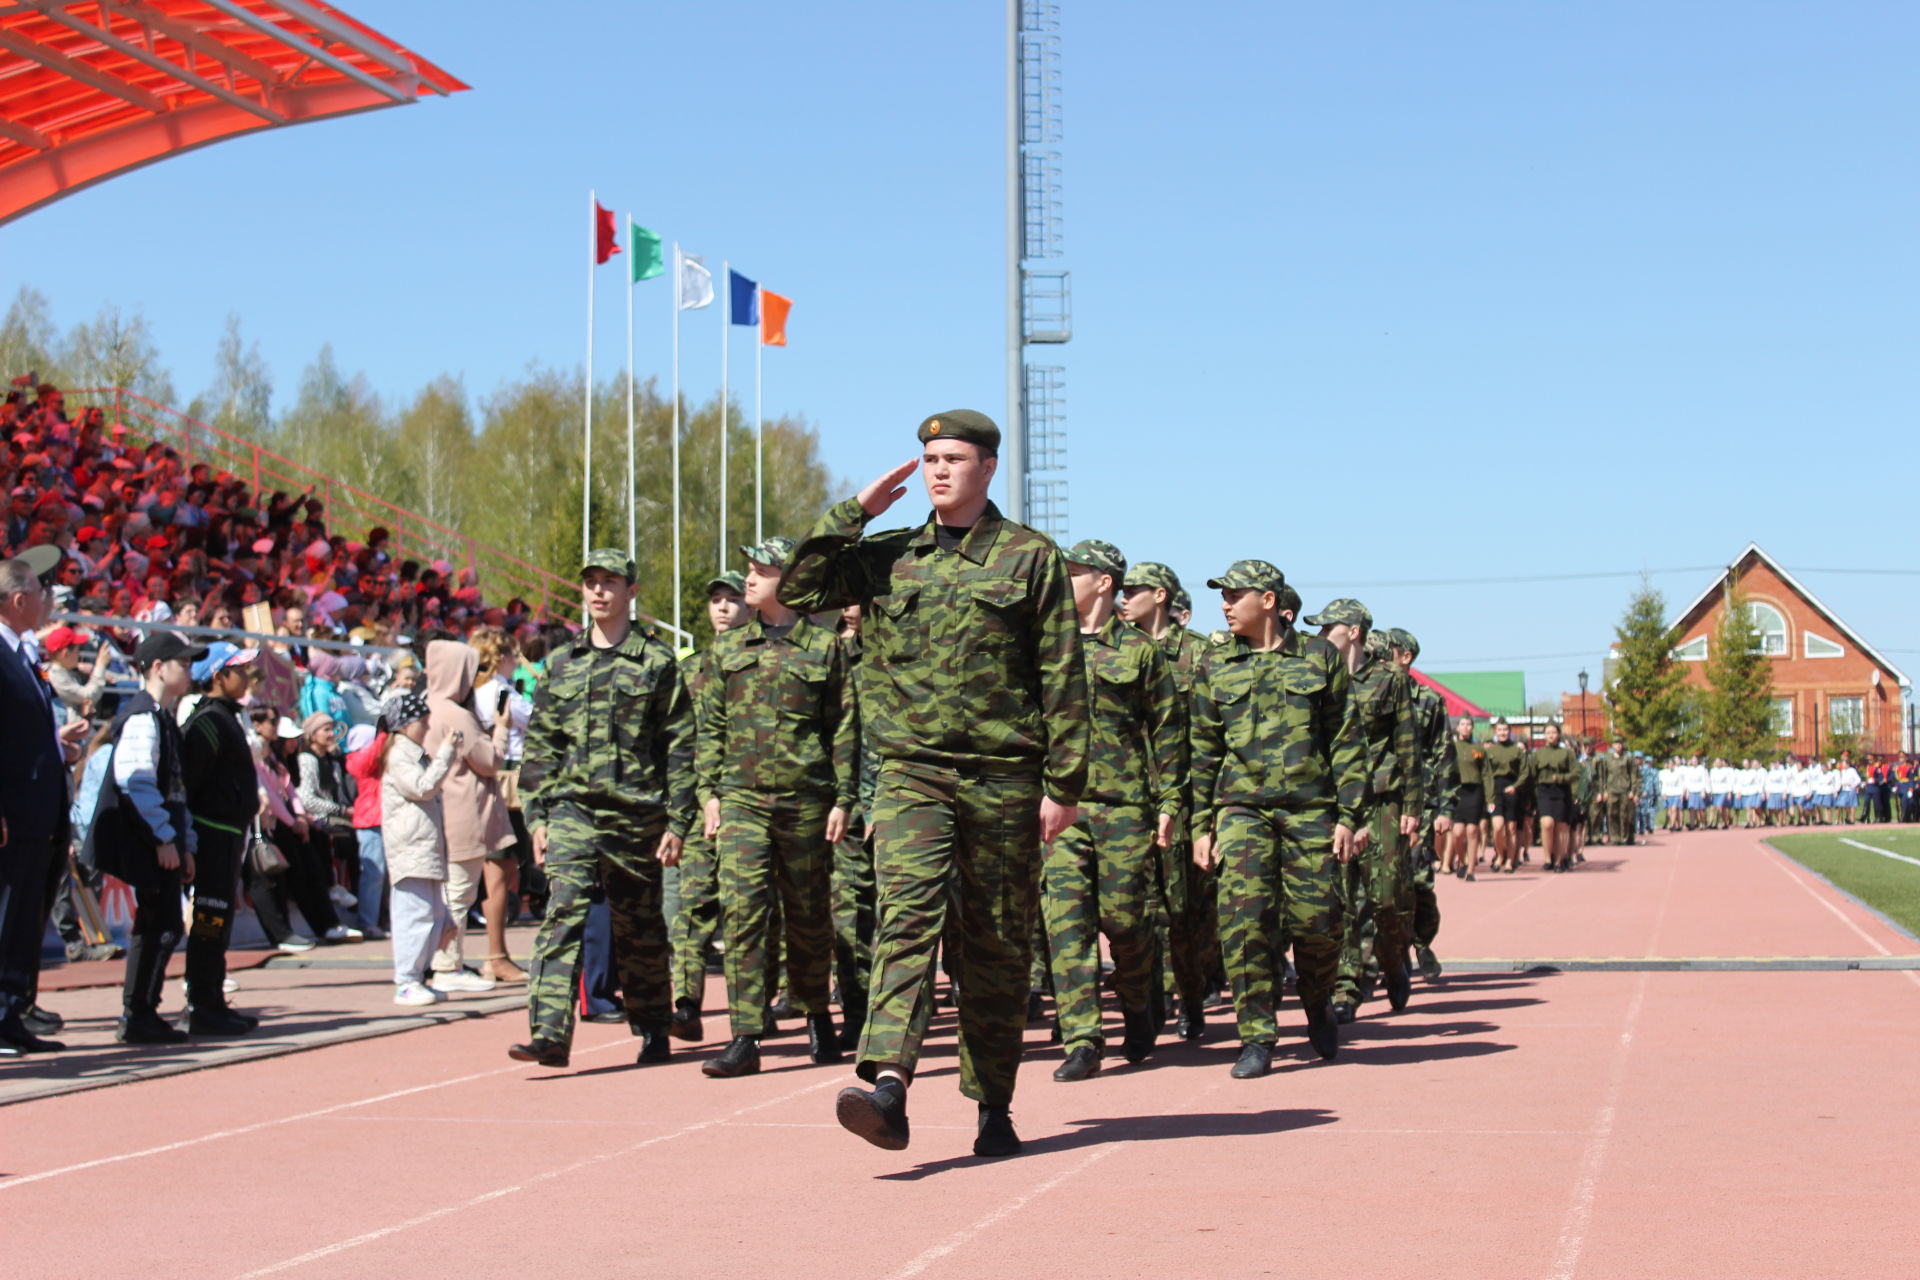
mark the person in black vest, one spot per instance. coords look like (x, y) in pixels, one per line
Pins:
(223, 796)
(142, 832)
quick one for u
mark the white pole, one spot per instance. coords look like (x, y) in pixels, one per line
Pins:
(759, 450)
(726, 331)
(677, 277)
(586, 471)
(632, 481)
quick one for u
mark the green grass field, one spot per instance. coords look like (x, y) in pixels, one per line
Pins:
(1889, 886)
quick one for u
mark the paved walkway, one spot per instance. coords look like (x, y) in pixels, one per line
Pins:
(1545, 1124)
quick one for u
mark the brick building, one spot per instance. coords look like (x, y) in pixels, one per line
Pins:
(1826, 678)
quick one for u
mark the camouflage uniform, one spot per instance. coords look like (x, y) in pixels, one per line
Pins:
(1620, 779)
(854, 903)
(974, 699)
(693, 926)
(608, 769)
(1436, 759)
(1098, 876)
(1277, 762)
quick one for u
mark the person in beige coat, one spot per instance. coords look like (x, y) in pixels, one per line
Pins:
(474, 810)
(412, 829)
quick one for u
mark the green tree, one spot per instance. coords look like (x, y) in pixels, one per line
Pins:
(1736, 715)
(240, 402)
(117, 350)
(1647, 689)
(28, 339)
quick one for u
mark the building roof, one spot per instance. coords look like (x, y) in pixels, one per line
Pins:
(1755, 554)
(1456, 705)
(88, 92)
(1495, 693)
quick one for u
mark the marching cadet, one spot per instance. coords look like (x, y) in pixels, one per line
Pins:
(1279, 779)
(698, 919)
(1191, 895)
(1501, 764)
(1379, 881)
(1098, 875)
(1430, 719)
(854, 905)
(608, 781)
(974, 699)
(1620, 783)
(1469, 800)
(1552, 767)
(775, 770)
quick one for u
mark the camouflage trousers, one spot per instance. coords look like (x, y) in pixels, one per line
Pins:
(698, 919)
(1277, 884)
(1190, 941)
(1378, 904)
(1426, 903)
(964, 849)
(775, 867)
(1621, 812)
(1097, 878)
(854, 911)
(618, 852)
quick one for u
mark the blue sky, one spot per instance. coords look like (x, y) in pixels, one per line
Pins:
(1378, 293)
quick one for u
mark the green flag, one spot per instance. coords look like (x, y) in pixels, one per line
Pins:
(646, 252)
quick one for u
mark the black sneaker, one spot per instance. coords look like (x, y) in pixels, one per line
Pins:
(544, 1052)
(654, 1047)
(823, 1042)
(879, 1115)
(1399, 988)
(42, 1022)
(686, 1022)
(996, 1136)
(1255, 1060)
(1323, 1032)
(148, 1028)
(741, 1057)
(1082, 1064)
(217, 1022)
(1142, 1031)
(1429, 963)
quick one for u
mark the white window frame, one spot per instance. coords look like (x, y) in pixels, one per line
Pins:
(1858, 718)
(1829, 648)
(1694, 650)
(1783, 716)
(1779, 648)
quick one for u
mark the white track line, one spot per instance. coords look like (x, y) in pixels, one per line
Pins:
(1885, 853)
(1007, 1210)
(1787, 866)
(1573, 1232)
(368, 1237)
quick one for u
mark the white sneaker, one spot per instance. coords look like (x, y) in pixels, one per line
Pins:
(296, 943)
(229, 986)
(459, 980)
(412, 993)
(341, 898)
(340, 933)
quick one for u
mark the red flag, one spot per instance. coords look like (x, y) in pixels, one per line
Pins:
(773, 318)
(604, 245)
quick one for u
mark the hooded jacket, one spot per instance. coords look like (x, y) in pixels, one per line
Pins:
(475, 813)
(412, 811)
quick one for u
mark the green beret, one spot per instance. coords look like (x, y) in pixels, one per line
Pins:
(1254, 575)
(1096, 554)
(733, 580)
(777, 552)
(610, 559)
(1155, 576)
(962, 424)
(1343, 611)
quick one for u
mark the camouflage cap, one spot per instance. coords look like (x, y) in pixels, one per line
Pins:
(961, 424)
(1378, 644)
(1342, 611)
(1096, 554)
(1257, 575)
(1401, 638)
(733, 580)
(1181, 600)
(1153, 574)
(777, 552)
(611, 559)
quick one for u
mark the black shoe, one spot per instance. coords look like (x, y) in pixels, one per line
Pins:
(823, 1042)
(654, 1047)
(1142, 1031)
(1036, 1006)
(996, 1136)
(1399, 987)
(615, 1015)
(1368, 982)
(1343, 1011)
(216, 1021)
(42, 1022)
(544, 1052)
(850, 1032)
(1082, 1064)
(14, 1033)
(148, 1028)
(741, 1057)
(878, 1115)
(1429, 963)
(1193, 1026)
(686, 1023)
(782, 1008)
(1255, 1060)
(1323, 1032)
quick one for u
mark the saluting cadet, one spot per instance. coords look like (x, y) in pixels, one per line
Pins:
(608, 781)
(775, 770)
(1500, 764)
(854, 905)
(974, 699)
(1279, 780)
(1190, 894)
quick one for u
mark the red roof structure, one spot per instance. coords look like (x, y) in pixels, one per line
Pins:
(1457, 706)
(93, 88)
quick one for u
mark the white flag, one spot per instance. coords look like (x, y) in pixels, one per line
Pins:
(696, 283)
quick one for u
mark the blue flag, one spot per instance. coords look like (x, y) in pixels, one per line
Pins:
(745, 298)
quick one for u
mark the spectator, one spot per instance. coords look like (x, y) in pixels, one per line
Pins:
(366, 746)
(223, 799)
(320, 778)
(319, 695)
(414, 833)
(61, 648)
(87, 774)
(493, 697)
(476, 820)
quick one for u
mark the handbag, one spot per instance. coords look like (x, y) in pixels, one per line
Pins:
(263, 855)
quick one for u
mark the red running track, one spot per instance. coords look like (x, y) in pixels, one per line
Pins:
(1616, 1124)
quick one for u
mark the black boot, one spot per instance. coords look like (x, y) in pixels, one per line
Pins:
(147, 1027)
(1429, 963)
(654, 1045)
(996, 1136)
(217, 1020)
(1255, 1060)
(1193, 1025)
(853, 1022)
(823, 1042)
(741, 1057)
(1142, 1031)
(1399, 987)
(1323, 1031)
(140, 1020)
(547, 1053)
(879, 1115)
(686, 1022)
(1082, 1064)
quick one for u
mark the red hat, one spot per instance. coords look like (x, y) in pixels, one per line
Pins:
(61, 637)
(88, 533)
(159, 542)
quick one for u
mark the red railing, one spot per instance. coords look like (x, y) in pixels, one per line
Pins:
(347, 507)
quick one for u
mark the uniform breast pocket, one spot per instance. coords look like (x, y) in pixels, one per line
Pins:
(1239, 718)
(999, 612)
(1119, 678)
(897, 632)
(631, 693)
(803, 692)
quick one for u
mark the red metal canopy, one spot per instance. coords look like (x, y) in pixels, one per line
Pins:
(92, 88)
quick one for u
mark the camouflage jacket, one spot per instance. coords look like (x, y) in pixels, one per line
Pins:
(1183, 650)
(1430, 725)
(611, 732)
(778, 716)
(1383, 703)
(1137, 753)
(1275, 730)
(972, 656)
(1582, 781)
(1619, 775)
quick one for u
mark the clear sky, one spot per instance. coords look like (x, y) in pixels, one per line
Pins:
(1380, 293)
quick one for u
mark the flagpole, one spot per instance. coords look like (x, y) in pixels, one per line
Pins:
(677, 281)
(586, 474)
(632, 482)
(726, 334)
(759, 450)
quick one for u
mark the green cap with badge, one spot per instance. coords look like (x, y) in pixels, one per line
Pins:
(1251, 575)
(962, 424)
(733, 580)
(1402, 639)
(611, 559)
(1096, 554)
(1153, 575)
(777, 552)
(1342, 612)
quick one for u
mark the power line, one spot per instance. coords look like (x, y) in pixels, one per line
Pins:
(1517, 657)
(1533, 577)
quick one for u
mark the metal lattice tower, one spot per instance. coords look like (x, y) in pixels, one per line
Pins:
(1039, 299)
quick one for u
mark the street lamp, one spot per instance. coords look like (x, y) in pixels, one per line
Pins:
(1583, 702)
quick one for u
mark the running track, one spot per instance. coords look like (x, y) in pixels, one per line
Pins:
(1627, 1123)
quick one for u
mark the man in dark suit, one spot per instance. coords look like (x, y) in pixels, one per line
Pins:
(33, 795)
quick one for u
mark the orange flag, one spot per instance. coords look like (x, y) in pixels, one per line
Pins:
(773, 318)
